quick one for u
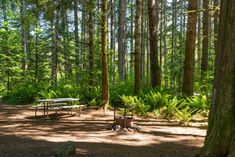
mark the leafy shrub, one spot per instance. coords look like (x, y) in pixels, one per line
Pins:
(184, 113)
(48, 94)
(122, 88)
(139, 107)
(198, 103)
(156, 100)
(21, 95)
(170, 108)
(92, 97)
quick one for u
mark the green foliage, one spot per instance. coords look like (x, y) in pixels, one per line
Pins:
(139, 107)
(122, 88)
(198, 103)
(156, 100)
(170, 108)
(21, 95)
(184, 113)
(91, 96)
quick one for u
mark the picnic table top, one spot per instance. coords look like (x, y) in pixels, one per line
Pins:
(57, 100)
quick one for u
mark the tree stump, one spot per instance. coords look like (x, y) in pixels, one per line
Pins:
(67, 150)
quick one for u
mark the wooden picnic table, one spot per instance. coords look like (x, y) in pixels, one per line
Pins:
(56, 103)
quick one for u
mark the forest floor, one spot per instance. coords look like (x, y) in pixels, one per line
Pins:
(22, 135)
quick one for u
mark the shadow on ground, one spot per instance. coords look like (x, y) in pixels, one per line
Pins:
(22, 135)
(14, 146)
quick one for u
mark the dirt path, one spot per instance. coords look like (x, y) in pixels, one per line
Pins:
(21, 135)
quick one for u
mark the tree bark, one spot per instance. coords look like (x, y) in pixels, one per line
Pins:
(36, 77)
(138, 21)
(216, 23)
(122, 39)
(188, 77)
(76, 39)
(54, 55)
(199, 46)
(104, 54)
(220, 139)
(154, 63)
(165, 43)
(24, 36)
(204, 63)
(112, 40)
(91, 43)
(132, 39)
(67, 67)
(173, 42)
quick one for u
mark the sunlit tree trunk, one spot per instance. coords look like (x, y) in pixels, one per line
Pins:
(188, 78)
(220, 138)
(122, 39)
(104, 54)
(138, 46)
(154, 63)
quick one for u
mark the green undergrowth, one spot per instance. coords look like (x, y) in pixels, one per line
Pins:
(159, 102)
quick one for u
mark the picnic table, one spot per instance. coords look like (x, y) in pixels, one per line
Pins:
(57, 104)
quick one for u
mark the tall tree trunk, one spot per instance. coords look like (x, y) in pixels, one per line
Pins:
(112, 39)
(199, 47)
(83, 38)
(36, 77)
(54, 55)
(104, 54)
(220, 139)
(182, 41)
(165, 42)
(132, 39)
(188, 78)
(138, 46)
(143, 44)
(216, 23)
(76, 39)
(154, 66)
(91, 42)
(148, 54)
(173, 42)
(122, 39)
(65, 42)
(204, 63)
(24, 36)
(5, 47)
(160, 35)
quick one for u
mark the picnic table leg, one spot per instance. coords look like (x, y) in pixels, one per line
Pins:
(36, 109)
(47, 110)
(124, 119)
(44, 109)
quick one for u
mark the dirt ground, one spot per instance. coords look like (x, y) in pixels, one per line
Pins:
(23, 135)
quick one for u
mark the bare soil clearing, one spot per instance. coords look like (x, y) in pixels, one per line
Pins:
(22, 135)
